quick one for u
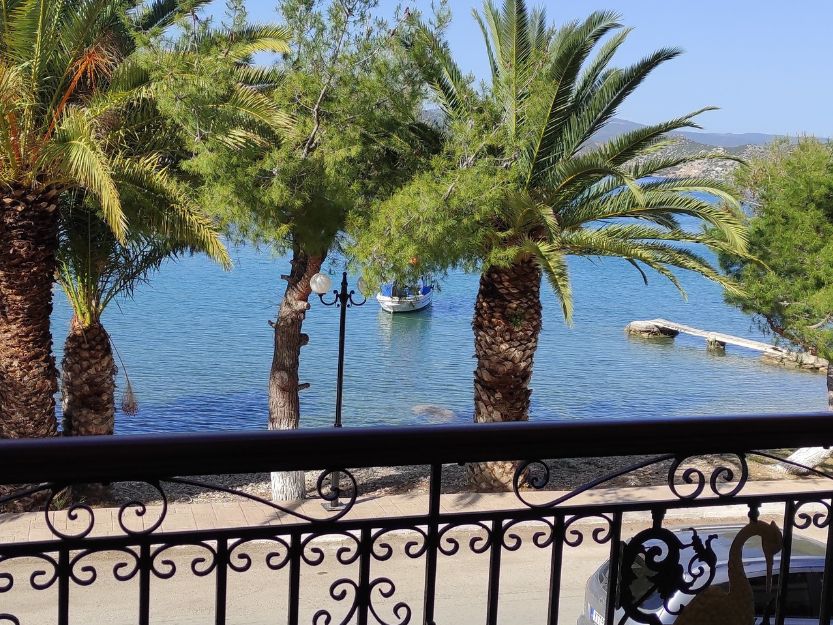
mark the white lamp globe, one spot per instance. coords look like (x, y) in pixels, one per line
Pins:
(320, 283)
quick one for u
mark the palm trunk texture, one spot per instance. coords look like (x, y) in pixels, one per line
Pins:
(28, 377)
(284, 403)
(88, 381)
(88, 389)
(507, 322)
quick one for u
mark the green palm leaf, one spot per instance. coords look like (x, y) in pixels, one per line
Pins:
(163, 13)
(658, 255)
(166, 209)
(573, 45)
(258, 38)
(450, 87)
(257, 106)
(553, 263)
(76, 152)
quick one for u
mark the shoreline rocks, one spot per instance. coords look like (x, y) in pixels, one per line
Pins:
(434, 413)
(648, 329)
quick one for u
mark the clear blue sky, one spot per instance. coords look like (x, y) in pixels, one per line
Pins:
(765, 63)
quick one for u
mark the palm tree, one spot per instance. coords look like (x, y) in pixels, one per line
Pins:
(71, 73)
(95, 268)
(62, 74)
(526, 148)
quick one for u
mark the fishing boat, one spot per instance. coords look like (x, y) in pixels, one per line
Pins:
(397, 298)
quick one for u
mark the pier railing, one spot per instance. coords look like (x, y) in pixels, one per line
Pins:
(433, 555)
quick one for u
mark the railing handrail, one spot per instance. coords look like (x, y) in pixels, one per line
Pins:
(159, 455)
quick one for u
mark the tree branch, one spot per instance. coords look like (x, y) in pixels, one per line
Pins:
(316, 109)
(821, 323)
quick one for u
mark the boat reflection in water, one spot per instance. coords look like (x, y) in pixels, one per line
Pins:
(396, 297)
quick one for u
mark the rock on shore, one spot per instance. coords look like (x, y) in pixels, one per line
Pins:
(434, 413)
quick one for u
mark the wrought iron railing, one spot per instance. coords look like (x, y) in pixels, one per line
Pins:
(653, 575)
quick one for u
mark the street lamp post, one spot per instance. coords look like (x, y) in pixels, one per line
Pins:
(343, 299)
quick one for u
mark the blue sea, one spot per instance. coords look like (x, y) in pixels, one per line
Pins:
(197, 346)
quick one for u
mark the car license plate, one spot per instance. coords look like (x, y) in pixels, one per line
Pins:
(597, 618)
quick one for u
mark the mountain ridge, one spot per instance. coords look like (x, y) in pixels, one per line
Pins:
(617, 126)
(744, 146)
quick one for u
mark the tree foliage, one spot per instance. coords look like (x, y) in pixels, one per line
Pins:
(790, 292)
(156, 131)
(351, 102)
(95, 267)
(521, 176)
(197, 88)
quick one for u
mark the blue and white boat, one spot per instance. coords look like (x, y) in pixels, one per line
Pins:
(395, 297)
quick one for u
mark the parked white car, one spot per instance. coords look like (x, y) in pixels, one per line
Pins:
(804, 588)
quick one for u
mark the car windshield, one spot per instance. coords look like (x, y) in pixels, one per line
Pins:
(803, 597)
(643, 589)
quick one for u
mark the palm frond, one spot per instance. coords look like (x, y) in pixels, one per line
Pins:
(490, 53)
(658, 255)
(257, 106)
(602, 103)
(539, 34)
(516, 49)
(12, 97)
(571, 48)
(553, 263)
(75, 155)
(166, 208)
(257, 38)
(594, 74)
(257, 77)
(656, 206)
(567, 178)
(490, 28)
(161, 14)
(95, 268)
(450, 87)
(642, 141)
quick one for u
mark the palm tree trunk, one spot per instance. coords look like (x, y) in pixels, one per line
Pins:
(28, 377)
(88, 389)
(507, 322)
(284, 403)
(88, 381)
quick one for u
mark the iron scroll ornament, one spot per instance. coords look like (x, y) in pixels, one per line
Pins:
(275, 558)
(721, 475)
(658, 553)
(724, 480)
(344, 590)
(819, 519)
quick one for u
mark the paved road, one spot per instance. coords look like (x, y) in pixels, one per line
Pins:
(258, 596)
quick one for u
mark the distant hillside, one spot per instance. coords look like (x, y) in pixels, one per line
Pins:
(743, 145)
(711, 168)
(724, 140)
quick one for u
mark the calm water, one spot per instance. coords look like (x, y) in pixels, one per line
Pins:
(198, 348)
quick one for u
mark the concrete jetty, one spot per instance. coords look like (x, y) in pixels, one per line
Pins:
(717, 341)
